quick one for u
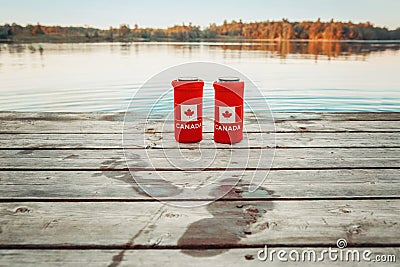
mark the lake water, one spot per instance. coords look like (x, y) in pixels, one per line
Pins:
(293, 76)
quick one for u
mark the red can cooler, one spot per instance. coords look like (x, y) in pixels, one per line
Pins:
(188, 106)
(228, 110)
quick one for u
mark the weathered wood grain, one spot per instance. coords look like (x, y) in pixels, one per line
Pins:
(217, 159)
(166, 140)
(120, 185)
(91, 126)
(64, 186)
(225, 224)
(171, 257)
(118, 116)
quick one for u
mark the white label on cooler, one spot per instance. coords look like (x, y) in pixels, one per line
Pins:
(188, 112)
(227, 115)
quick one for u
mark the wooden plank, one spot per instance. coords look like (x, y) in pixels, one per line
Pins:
(303, 158)
(337, 126)
(119, 116)
(90, 126)
(19, 122)
(222, 223)
(82, 178)
(172, 257)
(61, 116)
(166, 140)
(120, 185)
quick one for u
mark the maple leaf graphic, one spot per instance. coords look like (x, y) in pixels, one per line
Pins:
(189, 112)
(227, 114)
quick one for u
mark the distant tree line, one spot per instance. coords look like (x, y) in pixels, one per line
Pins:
(277, 30)
(306, 30)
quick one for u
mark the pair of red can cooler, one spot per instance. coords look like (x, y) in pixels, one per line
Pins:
(228, 110)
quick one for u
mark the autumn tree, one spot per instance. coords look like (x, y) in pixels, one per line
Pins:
(37, 30)
(124, 30)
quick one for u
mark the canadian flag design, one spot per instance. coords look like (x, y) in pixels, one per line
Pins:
(227, 114)
(187, 112)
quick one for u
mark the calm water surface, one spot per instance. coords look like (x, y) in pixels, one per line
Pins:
(294, 77)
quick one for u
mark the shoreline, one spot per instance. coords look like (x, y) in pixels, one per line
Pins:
(171, 41)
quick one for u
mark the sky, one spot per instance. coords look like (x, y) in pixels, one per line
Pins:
(161, 14)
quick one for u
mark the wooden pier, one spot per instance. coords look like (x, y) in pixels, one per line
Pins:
(68, 199)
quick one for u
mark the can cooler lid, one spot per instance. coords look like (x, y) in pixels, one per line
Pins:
(228, 79)
(187, 79)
